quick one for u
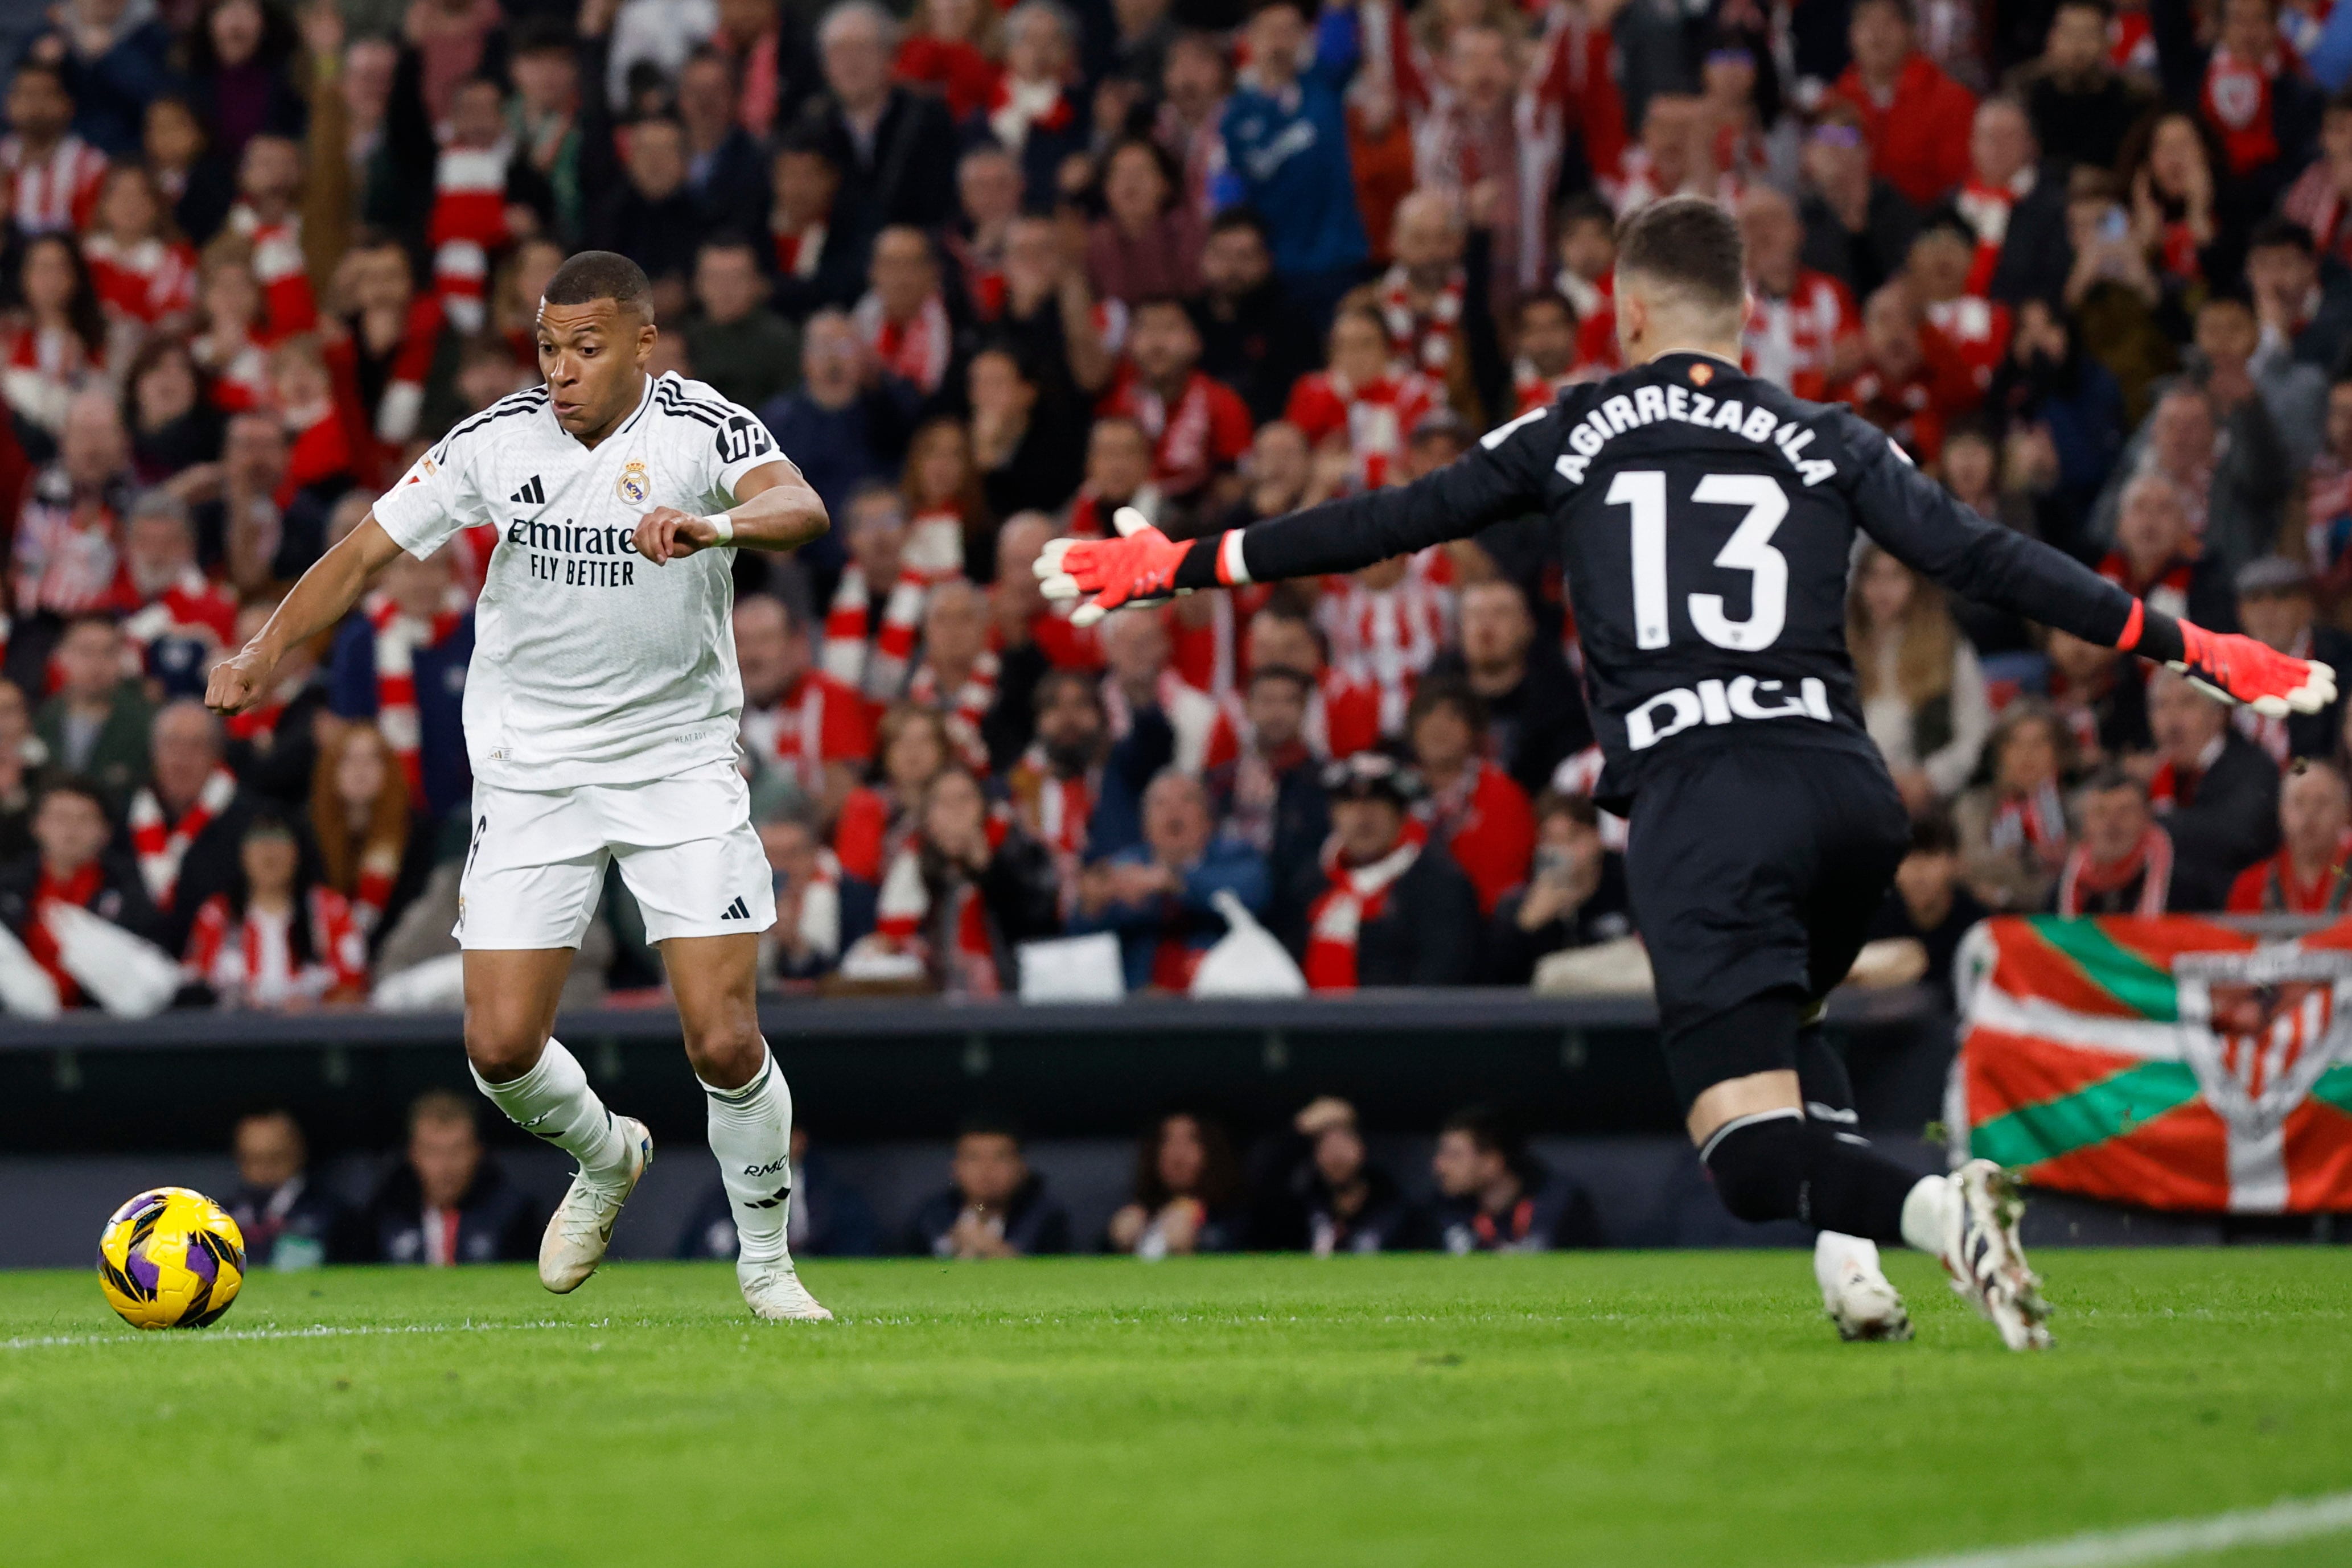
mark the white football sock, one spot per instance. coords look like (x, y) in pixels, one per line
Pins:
(752, 1135)
(553, 1102)
(1926, 1214)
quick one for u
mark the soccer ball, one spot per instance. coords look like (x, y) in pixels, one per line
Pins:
(171, 1258)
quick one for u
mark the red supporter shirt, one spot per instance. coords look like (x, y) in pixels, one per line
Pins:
(1919, 142)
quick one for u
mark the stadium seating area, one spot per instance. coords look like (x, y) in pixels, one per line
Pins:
(991, 273)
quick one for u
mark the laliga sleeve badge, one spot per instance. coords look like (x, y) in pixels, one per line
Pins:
(635, 485)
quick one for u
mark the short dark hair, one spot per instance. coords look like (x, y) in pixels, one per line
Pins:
(80, 784)
(1457, 694)
(1689, 244)
(1539, 300)
(445, 1106)
(2109, 778)
(1304, 9)
(1490, 1129)
(594, 274)
(988, 1126)
(2281, 234)
(1578, 808)
(1934, 834)
(1051, 682)
(1243, 217)
(1284, 673)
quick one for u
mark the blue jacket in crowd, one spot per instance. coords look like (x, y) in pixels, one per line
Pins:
(1228, 865)
(1289, 155)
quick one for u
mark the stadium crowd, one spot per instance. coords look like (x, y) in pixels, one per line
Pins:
(990, 275)
(1314, 1187)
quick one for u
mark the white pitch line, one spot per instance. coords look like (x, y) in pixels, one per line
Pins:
(2293, 1519)
(316, 1331)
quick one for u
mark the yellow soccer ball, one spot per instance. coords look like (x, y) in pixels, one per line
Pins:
(171, 1258)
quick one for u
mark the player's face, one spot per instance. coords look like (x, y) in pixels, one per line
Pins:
(594, 358)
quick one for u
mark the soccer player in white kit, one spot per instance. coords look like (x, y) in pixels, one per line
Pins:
(601, 713)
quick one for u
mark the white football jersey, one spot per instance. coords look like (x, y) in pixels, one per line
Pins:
(592, 664)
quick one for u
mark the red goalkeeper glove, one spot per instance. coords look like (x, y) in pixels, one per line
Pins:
(2240, 670)
(1137, 568)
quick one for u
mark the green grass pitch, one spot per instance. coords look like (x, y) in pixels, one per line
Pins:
(1609, 1408)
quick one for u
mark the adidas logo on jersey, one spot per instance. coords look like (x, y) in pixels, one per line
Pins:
(1719, 702)
(735, 911)
(533, 494)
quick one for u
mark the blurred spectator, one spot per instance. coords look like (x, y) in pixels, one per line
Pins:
(2100, 696)
(447, 1202)
(2275, 608)
(2214, 790)
(401, 660)
(652, 217)
(194, 177)
(68, 540)
(1019, 441)
(2317, 200)
(2054, 393)
(1156, 895)
(1470, 806)
(1149, 240)
(1199, 428)
(1188, 1192)
(1054, 787)
(269, 216)
(1363, 404)
(2015, 206)
(1858, 227)
(1031, 113)
(798, 721)
(1911, 383)
(2013, 831)
(946, 49)
(1270, 796)
(2155, 554)
(819, 912)
(814, 260)
(994, 1206)
(895, 149)
(402, 348)
(97, 723)
(988, 198)
(1799, 321)
(2080, 103)
(2292, 394)
(55, 174)
(965, 891)
(847, 426)
(257, 533)
(1333, 1197)
(956, 673)
(1917, 117)
(287, 1221)
(1252, 339)
(18, 750)
(829, 1218)
(176, 431)
(877, 818)
(2307, 874)
(1929, 904)
(2250, 90)
(70, 864)
(112, 56)
(745, 350)
(1286, 143)
(1389, 620)
(187, 826)
(1574, 895)
(2304, 303)
(1156, 716)
(1395, 910)
(374, 847)
(1494, 1197)
(903, 319)
(1534, 711)
(1938, 270)
(726, 173)
(1923, 694)
(276, 940)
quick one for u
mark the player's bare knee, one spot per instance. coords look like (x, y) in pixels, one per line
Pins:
(500, 1050)
(726, 1052)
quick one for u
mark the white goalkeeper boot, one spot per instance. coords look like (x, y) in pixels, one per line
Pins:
(775, 1292)
(582, 1225)
(1982, 1254)
(1855, 1291)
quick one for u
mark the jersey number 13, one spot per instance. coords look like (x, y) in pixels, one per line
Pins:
(1749, 549)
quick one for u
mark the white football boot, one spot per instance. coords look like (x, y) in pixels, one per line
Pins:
(582, 1225)
(1856, 1293)
(1985, 1260)
(775, 1292)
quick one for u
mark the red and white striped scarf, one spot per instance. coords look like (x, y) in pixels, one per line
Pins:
(1182, 454)
(1987, 209)
(398, 636)
(790, 734)
(1054, 811)
(1015, 108)
(145, 282)
(1787, 338)
(1385, 638)
(1203, 653)
(1353, 895)
(470, 221)
(161, 847)
(903, 918)
(1422, 340)
(799, 255)
(241, 379)
(371, 893)
(287, 307)
(412, 361)
(40, 941)
(971, 701)
(250, 962)
(1381, 418)
(55, 193)
(1531, 389)
(2152, 855)
(878, 670)
(915, 351)
(2035, 821)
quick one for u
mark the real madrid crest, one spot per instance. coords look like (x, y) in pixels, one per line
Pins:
(633, 486)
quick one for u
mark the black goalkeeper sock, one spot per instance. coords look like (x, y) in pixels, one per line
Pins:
(1822, 1080)
(1776, 1164)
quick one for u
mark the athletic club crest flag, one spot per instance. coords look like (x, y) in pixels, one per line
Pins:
(2167, 1063)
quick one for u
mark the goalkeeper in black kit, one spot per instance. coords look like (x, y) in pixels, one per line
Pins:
(1706, 520)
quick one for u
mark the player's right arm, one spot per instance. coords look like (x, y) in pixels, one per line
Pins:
(1500, 477)
(324, 597)
(1921, 524)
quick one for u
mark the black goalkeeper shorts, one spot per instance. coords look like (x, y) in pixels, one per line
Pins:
(1755, 872)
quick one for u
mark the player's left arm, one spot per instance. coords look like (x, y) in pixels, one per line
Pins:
(1921, 524)
(774, 510)
(1500, 477)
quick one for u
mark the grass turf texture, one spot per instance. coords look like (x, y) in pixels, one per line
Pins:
(1605, 1409)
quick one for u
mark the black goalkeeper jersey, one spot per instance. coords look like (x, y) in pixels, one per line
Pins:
(1706, 522)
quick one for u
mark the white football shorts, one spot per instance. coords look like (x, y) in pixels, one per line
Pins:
(685, 847)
